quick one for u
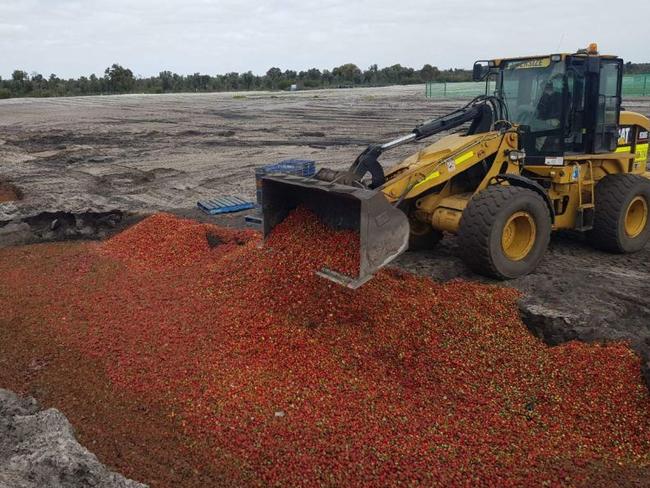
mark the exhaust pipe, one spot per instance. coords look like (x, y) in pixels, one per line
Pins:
(383, 229)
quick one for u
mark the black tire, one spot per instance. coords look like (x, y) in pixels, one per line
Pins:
(482, 228)
(613, 196)
(425, 241)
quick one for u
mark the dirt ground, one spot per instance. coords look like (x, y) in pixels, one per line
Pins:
(145, 153)
(72, 159)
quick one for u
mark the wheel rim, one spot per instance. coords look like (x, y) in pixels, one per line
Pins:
(518, 236)
(419, 228)
(636, 216)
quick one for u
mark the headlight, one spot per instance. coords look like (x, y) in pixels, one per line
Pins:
(517, 155)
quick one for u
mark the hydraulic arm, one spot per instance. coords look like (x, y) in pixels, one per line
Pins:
(479, 111)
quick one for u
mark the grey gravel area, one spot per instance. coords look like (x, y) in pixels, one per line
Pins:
(38, 449)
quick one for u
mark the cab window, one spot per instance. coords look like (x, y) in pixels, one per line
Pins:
(534, 91)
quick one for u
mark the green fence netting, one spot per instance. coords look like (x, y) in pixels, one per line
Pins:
(633, 86)
(636, 85)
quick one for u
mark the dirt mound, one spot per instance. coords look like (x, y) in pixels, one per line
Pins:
(58, 226)
(38, 448)
(303, 382)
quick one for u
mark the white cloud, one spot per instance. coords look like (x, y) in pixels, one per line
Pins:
(9, 29)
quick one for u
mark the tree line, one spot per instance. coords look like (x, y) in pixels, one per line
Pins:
(636, 68)
(118, 79)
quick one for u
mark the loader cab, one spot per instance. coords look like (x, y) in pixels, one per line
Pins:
(564, 104)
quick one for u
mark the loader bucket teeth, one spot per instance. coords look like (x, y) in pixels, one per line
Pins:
(383, 229)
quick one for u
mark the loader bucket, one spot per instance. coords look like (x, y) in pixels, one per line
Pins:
(383, 229)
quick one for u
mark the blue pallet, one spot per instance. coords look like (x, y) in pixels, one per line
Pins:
(224, 204)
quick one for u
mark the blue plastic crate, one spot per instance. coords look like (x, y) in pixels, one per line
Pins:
(225, 204)
(297, 167)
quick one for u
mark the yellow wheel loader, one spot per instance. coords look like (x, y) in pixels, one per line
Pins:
(548, 147)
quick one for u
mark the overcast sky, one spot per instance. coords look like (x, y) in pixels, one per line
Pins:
(71, 38)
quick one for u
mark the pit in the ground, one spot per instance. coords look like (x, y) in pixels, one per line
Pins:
(9, 192)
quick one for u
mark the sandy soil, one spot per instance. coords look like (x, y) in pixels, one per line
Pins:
(144, 153)
(161, 152)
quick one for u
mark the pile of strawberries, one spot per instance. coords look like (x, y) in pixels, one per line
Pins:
(308, 243)
(307, 383)
(163, 241)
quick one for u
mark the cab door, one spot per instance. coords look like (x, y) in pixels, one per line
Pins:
(608, 105)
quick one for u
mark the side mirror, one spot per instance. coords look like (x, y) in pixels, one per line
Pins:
(480, 70)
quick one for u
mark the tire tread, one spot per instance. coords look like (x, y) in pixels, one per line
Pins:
(611, 193)
(476, 224)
